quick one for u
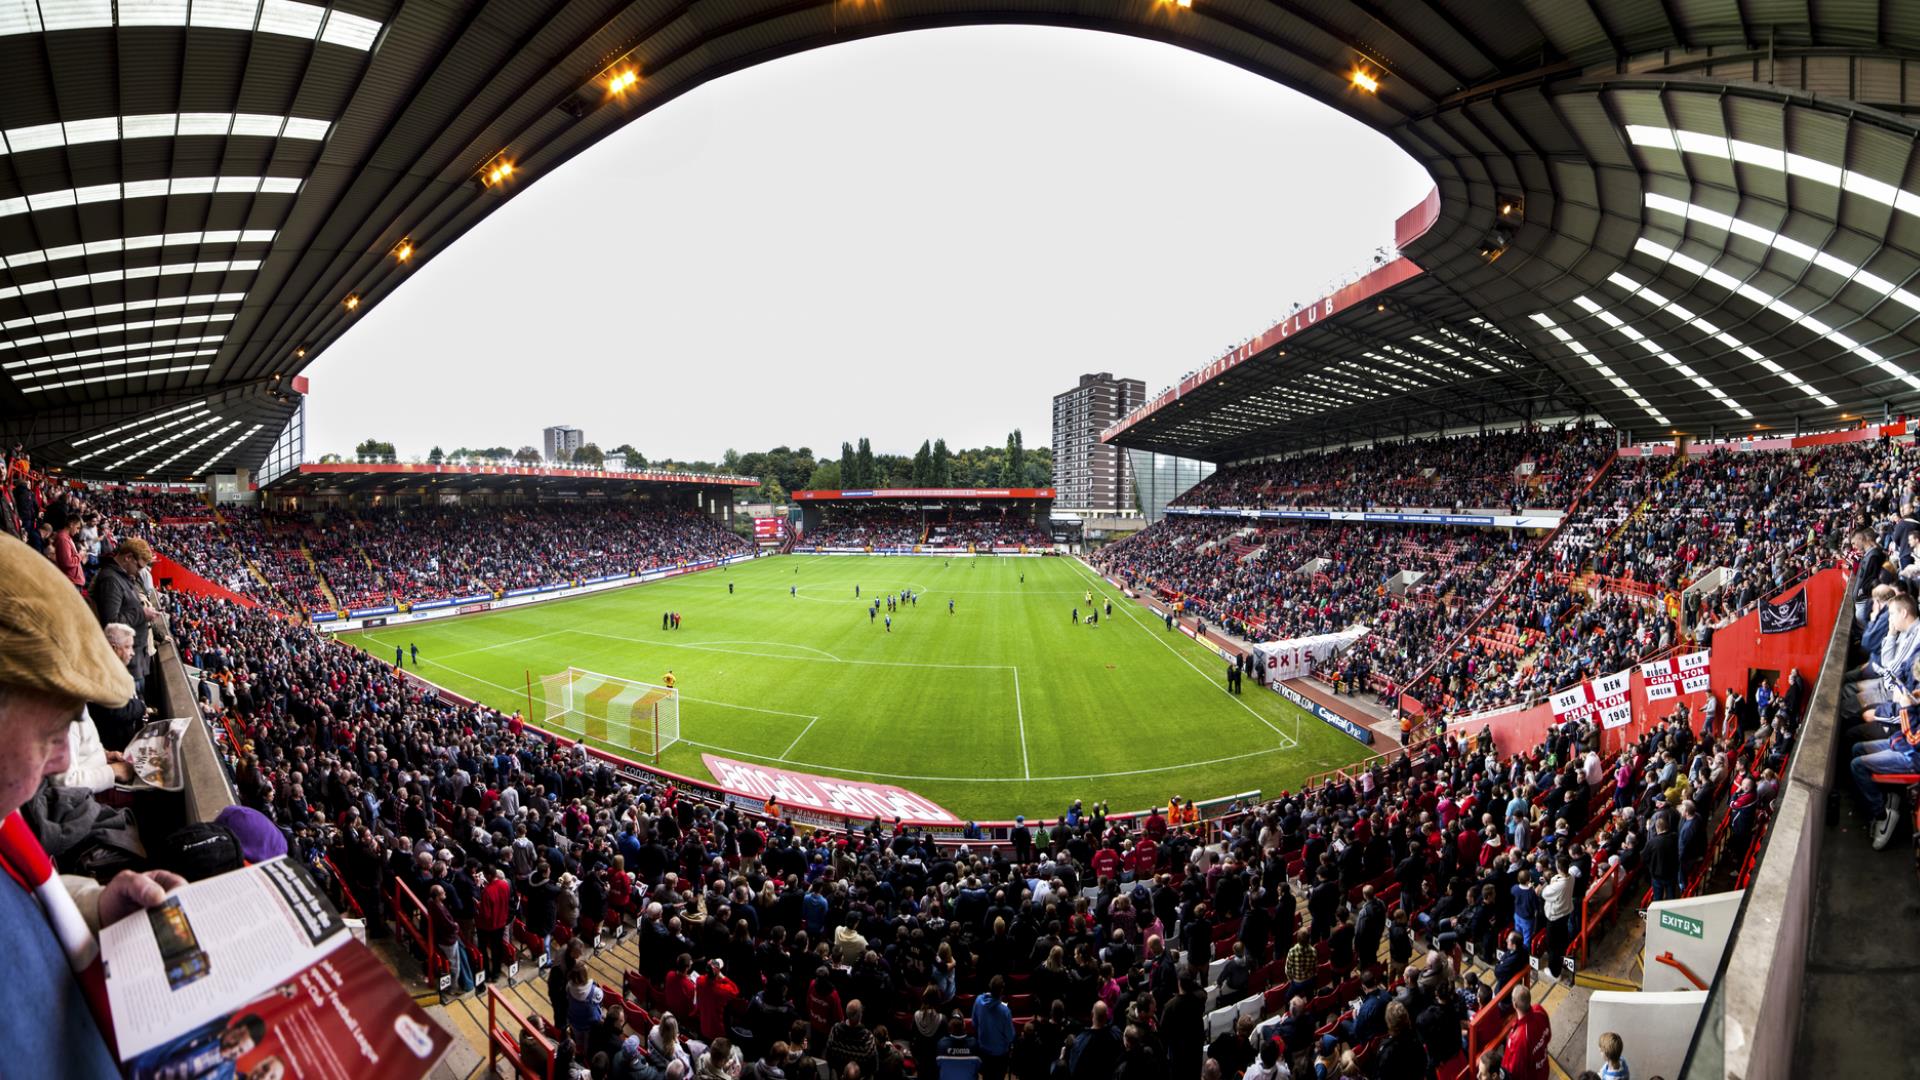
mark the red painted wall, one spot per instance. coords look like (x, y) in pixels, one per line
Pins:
(1738, 649)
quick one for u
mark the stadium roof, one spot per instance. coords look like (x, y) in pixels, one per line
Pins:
(1711, 216)
(357, 478)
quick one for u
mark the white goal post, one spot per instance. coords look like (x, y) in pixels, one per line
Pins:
(625, 712)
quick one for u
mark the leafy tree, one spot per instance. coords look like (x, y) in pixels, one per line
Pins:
(331, 459)
(371, 450)
(923, 465)
(826, 477)
(941, 473)
(1016, 460)
(527, 455)
(849, 467)
(435, 457)
(864, 458)
(590, 456)
(730, 461)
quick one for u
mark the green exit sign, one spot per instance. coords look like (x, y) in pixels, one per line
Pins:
(1683, 925)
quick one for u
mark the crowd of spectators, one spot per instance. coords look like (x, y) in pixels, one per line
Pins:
(1506, 623)
(1374, 916)
(392, 556)
(1084, 947)
(1609, 592)
(884, 527)
(1414, 588)
(1509, 470)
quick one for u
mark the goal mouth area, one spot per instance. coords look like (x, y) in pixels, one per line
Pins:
(639, 716)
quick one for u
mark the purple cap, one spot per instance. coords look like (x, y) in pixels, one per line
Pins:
(259, 839)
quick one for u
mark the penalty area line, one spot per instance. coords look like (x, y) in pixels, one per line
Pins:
(1020, 711)
(797, 738)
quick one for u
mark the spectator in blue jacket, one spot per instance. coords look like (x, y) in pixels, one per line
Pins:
(993, 1029)
(1370, 1017)
(1526, 907)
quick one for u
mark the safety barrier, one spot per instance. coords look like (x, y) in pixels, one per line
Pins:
(411, 920)
(504, 1040)
(1489, 1026)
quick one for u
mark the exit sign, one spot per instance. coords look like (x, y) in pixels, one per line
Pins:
(1682, 925)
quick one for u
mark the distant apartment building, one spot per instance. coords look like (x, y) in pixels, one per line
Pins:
(561, 441)
(1088, 474)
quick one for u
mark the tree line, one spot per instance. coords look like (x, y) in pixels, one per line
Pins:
(785, 469)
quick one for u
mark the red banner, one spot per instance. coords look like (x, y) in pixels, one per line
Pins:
(825, 795)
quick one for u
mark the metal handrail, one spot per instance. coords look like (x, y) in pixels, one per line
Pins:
(504, 1041)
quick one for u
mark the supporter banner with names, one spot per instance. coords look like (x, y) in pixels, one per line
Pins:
(1603, 700)
(1696, 672)
(823, 794)
(1686, 674)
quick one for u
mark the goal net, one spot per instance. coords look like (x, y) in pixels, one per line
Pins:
(637, 715)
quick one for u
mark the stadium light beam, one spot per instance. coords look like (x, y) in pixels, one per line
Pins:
(352, 302)
(1364, 80)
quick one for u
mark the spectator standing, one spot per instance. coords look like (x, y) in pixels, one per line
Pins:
(1525, 1057)
(116, 599)
(492, 915)
(993, 1028)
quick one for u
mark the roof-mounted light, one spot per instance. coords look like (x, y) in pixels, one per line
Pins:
(495, 173)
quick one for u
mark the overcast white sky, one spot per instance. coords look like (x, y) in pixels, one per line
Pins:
(924, 234)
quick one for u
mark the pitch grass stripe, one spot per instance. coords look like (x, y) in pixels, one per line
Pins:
(842, 770)
(829, 658)
(1128, 606)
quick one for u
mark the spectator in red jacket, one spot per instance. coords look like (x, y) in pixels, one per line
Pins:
(680, 987)
(716, 998)
(493, 913)
(1106, 864)
(1526, 1053)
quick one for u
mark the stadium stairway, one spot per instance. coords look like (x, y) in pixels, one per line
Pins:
(465, 1015)
(326, 589)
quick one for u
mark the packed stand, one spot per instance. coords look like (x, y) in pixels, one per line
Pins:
(1607, 592)
(1086, 946)
(402, 557)
(1511, 470)
(864, 526)
(1255, 583)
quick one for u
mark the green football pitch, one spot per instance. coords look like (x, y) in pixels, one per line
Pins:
(1004, 706)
